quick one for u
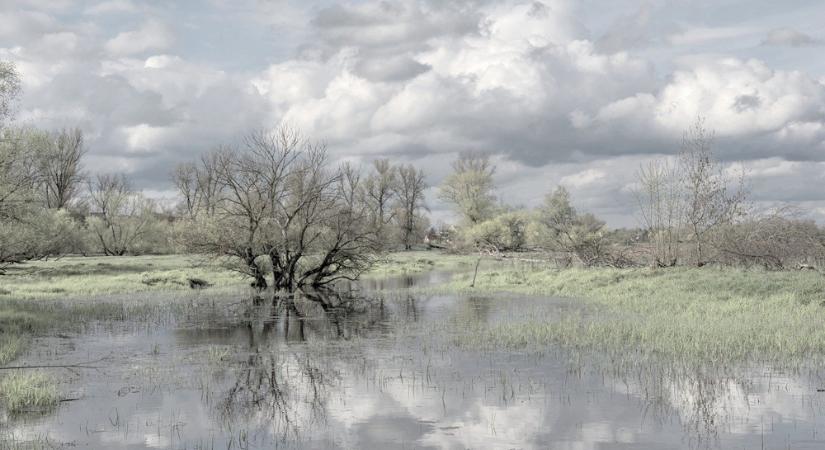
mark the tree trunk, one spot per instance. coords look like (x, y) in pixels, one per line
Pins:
(256, 272)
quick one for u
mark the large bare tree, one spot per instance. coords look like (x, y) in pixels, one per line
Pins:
(285, 210)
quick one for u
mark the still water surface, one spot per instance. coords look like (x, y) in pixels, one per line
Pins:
(233, 373)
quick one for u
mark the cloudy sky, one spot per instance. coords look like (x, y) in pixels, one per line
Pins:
(578, 93)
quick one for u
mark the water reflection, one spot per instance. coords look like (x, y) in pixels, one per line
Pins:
(321, 371)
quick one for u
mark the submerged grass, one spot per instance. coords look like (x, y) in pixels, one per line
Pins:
(716, 315)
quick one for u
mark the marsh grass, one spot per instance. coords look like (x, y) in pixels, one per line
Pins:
(63, 295)
(713, 315)
(96, 276)
(411, 262)
(22, 391)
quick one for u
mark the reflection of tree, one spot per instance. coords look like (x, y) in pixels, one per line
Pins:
(287, 390)
(282, 381)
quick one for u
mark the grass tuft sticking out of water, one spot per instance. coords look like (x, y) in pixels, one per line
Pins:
(22, 391)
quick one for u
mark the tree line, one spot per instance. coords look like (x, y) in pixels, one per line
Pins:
(692, 210)
(275, 207)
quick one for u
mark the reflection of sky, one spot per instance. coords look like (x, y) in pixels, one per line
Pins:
(399, 391)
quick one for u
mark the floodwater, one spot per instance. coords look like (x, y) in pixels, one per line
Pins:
(233, 373)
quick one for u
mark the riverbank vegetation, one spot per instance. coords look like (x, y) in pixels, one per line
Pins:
(717, 316)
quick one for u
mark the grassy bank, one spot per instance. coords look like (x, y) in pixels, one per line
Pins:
(717, 315)
(412, 262)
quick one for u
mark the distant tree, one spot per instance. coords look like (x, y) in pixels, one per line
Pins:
(504, 232)
(59, 172)
(566, 230)
(774, 239)
(9, 90)
(410, 193)
(661, 205)
(121, 217)
(712, 198)
(185, 179)
(380, 189)
(470, 188)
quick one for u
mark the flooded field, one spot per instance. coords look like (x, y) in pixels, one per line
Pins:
(223, 370)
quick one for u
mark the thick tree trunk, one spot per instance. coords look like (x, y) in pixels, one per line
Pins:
(255, 270)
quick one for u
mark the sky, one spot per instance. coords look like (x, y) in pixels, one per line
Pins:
(557, 92)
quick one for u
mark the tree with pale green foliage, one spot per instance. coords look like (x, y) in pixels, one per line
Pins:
(27, 230)
(563, 229)
(504, 232)
(470, 188)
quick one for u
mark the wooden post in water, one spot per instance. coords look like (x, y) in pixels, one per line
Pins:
(473, 284)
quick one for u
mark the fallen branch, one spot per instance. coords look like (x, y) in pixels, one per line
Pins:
(83, 365)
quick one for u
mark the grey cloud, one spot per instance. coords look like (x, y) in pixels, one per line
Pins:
(397, 68)
(746, 102)
(790, 38)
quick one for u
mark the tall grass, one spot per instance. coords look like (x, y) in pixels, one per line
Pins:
(716, 315)
(27, 390)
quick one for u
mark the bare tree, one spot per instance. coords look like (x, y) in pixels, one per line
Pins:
(59, 171)
(185, 178)
(712, 198)
(282, 206)
(9, 90)
(208, 183)
(380, 192)
(121, 217)
(661, 206)
(410, 192)
(470, 187)
(775, 239)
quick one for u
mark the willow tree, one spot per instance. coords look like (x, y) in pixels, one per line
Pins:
(284, 209)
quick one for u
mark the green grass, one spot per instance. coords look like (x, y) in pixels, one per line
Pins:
(94, 276)
(711, 315)
(23, 391)
(410, 262)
